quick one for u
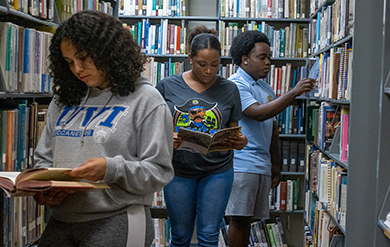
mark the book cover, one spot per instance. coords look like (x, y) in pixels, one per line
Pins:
(29, 181)
(332, 120)
(204, 143)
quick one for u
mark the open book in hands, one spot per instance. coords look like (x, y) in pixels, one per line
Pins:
(205, 143)
(30, 181)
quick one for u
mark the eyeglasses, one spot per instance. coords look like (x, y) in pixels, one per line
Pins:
(193, 112)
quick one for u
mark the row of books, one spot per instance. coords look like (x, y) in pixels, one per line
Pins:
(152, 7)
(292, 119)
(170, 39)
(38, 8)
(328, 128)
(292, 155)
(23, 57)
(285, 196)
(293, 9)
(22, 124)
(23, 221)
(335, 71)
(162, 232)
(283, 79)
(161, 38)
(66, 8)
(330, 183)
(287, 42)
(268, 234)
(331, 24)
(155, 71)
(158, 199)
(324, 227)
(332, 187)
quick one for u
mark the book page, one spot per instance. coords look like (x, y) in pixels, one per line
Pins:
(43, 174)
(217, 142)
(194, 141)
(7, 181)
(204, 143)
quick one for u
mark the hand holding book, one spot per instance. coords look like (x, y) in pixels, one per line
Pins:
(52, 197)
(93, 170)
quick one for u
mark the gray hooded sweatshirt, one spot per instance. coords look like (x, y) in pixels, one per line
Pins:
(133, 134)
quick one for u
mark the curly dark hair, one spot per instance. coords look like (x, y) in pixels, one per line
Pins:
(244, 43)
(203, 38)
(111, 48)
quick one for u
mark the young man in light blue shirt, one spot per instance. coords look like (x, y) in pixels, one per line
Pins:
(256, 167)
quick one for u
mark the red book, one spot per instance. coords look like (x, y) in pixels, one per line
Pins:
(178, 40)
(283, 195)
(279, 81)
(269, 9)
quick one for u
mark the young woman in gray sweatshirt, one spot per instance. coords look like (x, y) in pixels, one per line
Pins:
(109, 124)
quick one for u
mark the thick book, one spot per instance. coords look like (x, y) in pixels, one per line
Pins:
(30, 181)
(204, 143)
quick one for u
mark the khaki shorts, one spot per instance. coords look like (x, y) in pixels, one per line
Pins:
(249, 196)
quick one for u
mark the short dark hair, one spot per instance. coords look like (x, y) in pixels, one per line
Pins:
(203, 38)
(111, 48)
(244, 43)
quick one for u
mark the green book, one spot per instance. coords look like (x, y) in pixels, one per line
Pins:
(282, 36)
(271, 235)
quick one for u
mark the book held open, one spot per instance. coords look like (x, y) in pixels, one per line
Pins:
(204, 143)
(30, 181)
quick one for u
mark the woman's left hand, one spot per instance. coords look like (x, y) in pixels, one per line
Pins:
(93, 169)
(238, 142)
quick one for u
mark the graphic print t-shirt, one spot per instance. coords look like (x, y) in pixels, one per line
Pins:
(207, 112)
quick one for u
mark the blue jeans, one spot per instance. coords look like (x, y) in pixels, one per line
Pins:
(201, 199)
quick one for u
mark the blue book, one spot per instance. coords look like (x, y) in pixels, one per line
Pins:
(166, 68)
(26, 64)
(139, 34)
(294, 78)
(317, 43)
(156, 37)
(280, 122)
(159, 39)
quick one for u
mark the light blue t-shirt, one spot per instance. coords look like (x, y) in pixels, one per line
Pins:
(255, 157)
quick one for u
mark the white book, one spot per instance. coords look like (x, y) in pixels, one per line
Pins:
(164, 30)
(290, 192)
(277, 201)
(284, 82)
(154, 74)
(162, 75)
(152, 40)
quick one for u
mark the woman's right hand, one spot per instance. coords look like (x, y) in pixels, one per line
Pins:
(52, 197)
(176, 141)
